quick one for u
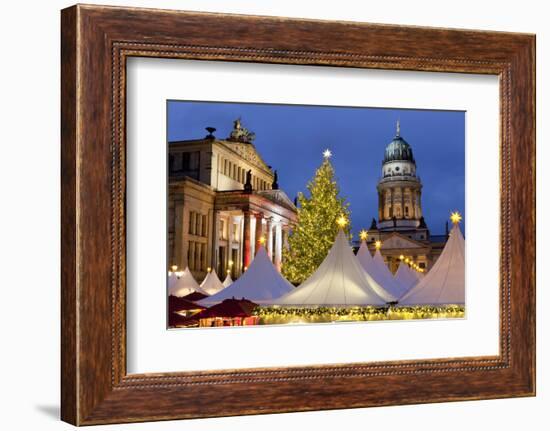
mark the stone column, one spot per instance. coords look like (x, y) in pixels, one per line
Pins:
(229, 241)
(247, 253)
(269, 242)
(403, 202)
(380, 205)
(238, 242)
(414, 203)
(215, 238)
(278, 246)
(259, 231)
(179, 246)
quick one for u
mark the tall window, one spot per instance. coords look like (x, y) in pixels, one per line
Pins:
(203, 233)
(198, 222)
(192, 222)
(222, 229)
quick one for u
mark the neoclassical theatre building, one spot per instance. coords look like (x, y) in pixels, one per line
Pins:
(223, 202)
(401, 226)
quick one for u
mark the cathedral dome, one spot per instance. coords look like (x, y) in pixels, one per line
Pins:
(398, 149)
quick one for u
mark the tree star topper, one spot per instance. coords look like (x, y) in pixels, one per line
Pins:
(456, 217)
(342, 221)
(327, 154)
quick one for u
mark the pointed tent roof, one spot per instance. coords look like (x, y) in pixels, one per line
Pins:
(445, 282)
(182, 285)
(406, 277)
(228, 280)
(339, 280)
(195, 296)
(211, 283)
(261, 282)
(378, 270)
(363, 255)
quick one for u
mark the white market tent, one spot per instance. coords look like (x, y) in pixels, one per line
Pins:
(444, 284)
(182, 285)
(228, 280)
(363, 255)
(260, 283)
(339, 280)
(378, 270)
(406, 277)
(211, 283)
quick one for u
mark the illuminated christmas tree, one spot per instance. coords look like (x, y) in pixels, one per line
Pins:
(316, 228)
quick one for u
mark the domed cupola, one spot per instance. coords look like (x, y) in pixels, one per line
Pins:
(398, 149)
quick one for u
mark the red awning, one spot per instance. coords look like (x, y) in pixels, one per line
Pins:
(176, 304)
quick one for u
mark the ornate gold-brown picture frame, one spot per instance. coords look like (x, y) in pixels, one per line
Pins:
(96, 43)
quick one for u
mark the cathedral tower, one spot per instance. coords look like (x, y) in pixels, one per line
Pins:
(399, 189)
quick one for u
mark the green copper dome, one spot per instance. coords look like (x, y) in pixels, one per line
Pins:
(398, 149)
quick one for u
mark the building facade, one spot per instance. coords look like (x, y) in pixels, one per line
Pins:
(223, 202)
(401, 227)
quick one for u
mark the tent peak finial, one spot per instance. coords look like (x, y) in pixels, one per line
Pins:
(456, 217)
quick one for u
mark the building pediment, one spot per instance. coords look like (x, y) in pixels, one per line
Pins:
(399, 241)
(279, 197)
(247, 152)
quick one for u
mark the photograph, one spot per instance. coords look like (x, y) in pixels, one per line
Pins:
(297, 214)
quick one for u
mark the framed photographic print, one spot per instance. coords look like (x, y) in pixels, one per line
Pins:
(340, 209)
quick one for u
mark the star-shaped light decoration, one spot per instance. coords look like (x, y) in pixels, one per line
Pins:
(327, 154)
(378, 244)
(456, 217)
(401, 257)
(363, 235)
(342, 221)
(262, 240)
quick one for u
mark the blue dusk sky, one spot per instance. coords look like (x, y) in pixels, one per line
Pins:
(291, 138)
